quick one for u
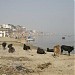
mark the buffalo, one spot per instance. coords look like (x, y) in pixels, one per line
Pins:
(67, 48)
(10, 45)
(25, 47)
(50, 50)
(11, 49)
(40, 51)
(4, 45)
(28, 47)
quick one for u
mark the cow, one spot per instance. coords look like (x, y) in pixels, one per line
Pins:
(25, 47)
(57, 50)
(40, 51)
(67, 48)
(4, 45)
(50, 50)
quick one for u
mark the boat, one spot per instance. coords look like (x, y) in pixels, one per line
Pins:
(30, 38)
(63, 37)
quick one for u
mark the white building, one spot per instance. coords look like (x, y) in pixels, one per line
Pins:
(4, 32)
(6, 26)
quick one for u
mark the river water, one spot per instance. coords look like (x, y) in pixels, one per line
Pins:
(50, 41)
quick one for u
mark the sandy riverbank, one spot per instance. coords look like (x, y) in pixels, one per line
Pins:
(23, 62)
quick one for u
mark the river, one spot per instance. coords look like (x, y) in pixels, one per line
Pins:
(50, 41)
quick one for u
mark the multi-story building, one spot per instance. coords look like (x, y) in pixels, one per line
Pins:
(5, 30)
(6, 26)
(12, 31)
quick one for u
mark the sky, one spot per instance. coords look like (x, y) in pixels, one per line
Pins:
(53, 16)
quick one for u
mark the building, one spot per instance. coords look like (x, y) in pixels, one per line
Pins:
(6, 26)
(4, 32)
(9, 30)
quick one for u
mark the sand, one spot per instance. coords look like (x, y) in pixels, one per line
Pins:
(23, 62)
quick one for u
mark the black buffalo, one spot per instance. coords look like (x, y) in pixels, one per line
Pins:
(10, 45)
(40, 51)
(67, 48)
(11, 50)
(50, 50)
(25, 47)
(28, 47)
(4, 45)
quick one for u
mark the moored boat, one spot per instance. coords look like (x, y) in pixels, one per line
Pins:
(30, 38)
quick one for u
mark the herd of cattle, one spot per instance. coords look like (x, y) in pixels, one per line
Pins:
(56, 49)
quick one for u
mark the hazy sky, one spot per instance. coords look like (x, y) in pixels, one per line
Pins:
(54, 16)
